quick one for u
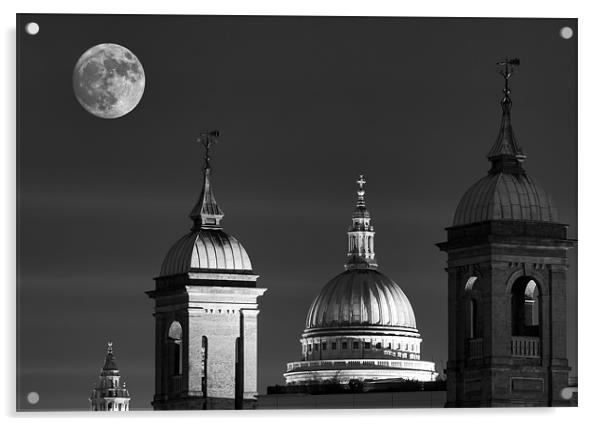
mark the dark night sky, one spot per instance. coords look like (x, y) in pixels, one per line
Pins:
(303, 105)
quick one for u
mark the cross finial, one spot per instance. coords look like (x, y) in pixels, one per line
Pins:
(506, 68)
(110, 347)
(208, 138)
(361, 181)
(360, 190)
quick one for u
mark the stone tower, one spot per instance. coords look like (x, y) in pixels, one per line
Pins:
(206, 315)
(507, 267)
(109, 394)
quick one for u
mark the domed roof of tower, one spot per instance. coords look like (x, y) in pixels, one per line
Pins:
(507, 192)
(505, 196)
(361, 296)
(207, 247)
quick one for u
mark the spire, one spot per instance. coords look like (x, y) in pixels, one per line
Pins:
(360, 236)
(108, 394)
(506, 154)
(206, 213)
(109, 366)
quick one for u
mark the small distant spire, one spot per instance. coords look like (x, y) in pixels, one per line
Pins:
(506, 153)
(109, 364)
(206, 212)
(107, 393)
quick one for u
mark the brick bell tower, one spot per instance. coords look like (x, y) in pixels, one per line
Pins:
(206, 315)
(507, 272)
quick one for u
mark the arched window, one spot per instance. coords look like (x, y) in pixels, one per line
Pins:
(204, 357)
(473, 319)
(472, 309)
(525, 307)
(470, 284)
(238, 374)
(531, 304)
(174, 336)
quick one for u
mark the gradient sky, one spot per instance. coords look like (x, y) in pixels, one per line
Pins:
(304, 105)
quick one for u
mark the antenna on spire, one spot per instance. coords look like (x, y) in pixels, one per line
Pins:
(208, 138)
(507, 67)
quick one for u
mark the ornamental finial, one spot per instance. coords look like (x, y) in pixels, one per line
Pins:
(206, 212)
(208, 138)
(360, 190)
(506, 68)
(506, 153)
(109, 347)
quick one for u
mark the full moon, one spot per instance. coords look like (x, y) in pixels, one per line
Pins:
(108, 80)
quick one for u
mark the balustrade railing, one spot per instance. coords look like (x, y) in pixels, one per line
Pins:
(176, 384)
(475, 348)
(525, 347)
(360, 363)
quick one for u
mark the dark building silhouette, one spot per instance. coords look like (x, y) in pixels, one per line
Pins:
(206, 315)
(507, 267)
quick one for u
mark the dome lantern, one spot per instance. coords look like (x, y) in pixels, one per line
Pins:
(360, 252)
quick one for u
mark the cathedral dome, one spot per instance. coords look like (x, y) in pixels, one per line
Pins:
(205, 249)
(505, 196)
(361, 297)
(361, 326)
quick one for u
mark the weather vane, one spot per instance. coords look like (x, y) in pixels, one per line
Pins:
(208, 138)
(507, 68)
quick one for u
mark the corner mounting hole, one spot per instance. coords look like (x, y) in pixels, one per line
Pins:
(566, 33)
(33, 398)
(32, 28)
(567, 393)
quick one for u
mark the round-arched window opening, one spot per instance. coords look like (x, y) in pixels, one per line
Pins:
(470, 284)
(175, 331)
(473, 329)
(174, 341)
(526, 307)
